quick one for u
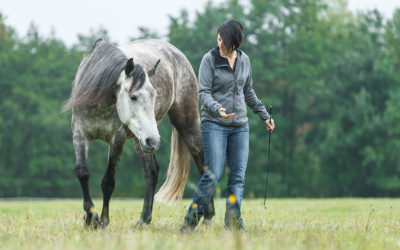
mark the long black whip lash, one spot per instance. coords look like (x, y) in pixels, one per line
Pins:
(269, 147)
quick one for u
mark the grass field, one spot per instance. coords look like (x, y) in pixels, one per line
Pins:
(286, 224)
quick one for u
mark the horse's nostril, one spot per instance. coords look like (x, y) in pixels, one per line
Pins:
(149, 142)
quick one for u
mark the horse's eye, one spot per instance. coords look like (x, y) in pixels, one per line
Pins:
(134, 98)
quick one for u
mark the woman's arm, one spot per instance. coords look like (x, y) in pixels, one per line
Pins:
(252, 100)
(206, 73)
(255, 104)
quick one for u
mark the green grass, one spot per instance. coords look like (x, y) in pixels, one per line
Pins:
(286, 224)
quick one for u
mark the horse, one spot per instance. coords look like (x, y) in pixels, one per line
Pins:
(122, 93)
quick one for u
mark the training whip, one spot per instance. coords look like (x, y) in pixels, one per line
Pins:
(269, 147)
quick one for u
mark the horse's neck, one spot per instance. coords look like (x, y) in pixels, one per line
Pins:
(104, 110)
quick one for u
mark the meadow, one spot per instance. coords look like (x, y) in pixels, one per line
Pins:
(285, 224)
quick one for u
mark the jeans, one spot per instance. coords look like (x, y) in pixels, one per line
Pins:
(221, 143)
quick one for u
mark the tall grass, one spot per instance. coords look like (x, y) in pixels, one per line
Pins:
(286, 224)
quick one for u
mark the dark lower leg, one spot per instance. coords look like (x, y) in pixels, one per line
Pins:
(150, 168)
(82, 172)
(108, 182)
(83, 176)
(107, 186)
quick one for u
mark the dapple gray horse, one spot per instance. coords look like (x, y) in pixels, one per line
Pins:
(123, 92)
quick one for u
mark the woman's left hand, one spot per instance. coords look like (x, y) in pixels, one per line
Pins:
(270, 125)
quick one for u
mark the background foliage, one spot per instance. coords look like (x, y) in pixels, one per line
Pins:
(332, 77)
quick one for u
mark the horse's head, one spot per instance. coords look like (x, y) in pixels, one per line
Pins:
(136, 99)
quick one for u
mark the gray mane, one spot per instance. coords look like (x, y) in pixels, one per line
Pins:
(97, 75)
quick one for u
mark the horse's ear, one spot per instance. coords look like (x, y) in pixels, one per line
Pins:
(129, 67)
(153, 70)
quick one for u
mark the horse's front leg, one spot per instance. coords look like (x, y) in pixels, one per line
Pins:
(108, 182)
(81, 146)
(150, 168)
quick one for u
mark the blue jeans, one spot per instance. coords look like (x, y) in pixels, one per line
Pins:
(221, 143)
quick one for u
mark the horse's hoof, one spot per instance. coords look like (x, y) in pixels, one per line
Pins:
(103, 223)
(93, 222)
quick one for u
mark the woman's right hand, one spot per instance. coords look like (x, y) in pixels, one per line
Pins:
(270, 124)
(224, 115)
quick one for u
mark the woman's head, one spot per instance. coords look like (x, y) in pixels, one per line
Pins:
(230, 36)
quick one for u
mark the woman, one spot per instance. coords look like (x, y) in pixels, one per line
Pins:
(225, 87)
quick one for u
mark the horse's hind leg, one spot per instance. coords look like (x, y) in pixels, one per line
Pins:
(150, 168)
(185, 118)
(108, 182)
(81, 146)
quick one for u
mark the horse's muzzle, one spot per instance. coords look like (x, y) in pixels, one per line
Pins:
(150, 145)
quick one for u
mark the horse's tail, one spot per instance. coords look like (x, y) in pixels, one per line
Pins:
(178, 171)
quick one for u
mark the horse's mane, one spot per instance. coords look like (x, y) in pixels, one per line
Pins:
(97, 75)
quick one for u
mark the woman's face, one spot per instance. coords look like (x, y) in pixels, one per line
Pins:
(221, 44)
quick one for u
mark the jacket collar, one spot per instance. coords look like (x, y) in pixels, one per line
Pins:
(222, 61)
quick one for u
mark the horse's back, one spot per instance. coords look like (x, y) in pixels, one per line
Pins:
(146, 50)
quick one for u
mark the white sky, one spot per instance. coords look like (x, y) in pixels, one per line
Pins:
(121, 18)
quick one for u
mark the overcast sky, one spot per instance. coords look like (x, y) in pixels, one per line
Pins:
(120, 18)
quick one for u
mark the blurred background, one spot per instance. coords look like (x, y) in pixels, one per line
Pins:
(329, 68)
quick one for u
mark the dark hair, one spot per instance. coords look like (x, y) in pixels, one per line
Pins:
(231, 33)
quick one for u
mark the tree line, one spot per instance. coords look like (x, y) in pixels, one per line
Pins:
(332, 77)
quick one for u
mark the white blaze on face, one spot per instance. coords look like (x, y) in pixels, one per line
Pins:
(136, 110)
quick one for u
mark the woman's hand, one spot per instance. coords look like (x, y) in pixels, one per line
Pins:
(270, 125)
(224, 115)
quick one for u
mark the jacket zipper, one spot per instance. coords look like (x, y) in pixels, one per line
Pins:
(235, 89)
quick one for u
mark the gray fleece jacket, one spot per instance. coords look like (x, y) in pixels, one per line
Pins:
(220, 86)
